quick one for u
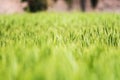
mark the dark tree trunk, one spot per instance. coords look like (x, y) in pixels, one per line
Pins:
(83, 5)
(94, 3)
(37, 5)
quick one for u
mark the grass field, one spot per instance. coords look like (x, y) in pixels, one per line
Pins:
(50, 46)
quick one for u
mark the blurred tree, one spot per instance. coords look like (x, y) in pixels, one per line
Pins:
(69, 3)
(83, 5)
(36, 5)
(50, 2)
(94, 3)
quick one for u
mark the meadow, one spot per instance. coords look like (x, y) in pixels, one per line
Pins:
(52, 46)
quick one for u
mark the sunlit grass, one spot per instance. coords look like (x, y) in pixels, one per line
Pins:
(51, 46)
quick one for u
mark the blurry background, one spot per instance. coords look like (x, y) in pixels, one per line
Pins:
(19, 6)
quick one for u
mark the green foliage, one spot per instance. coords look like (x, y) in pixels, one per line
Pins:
(50, 46)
